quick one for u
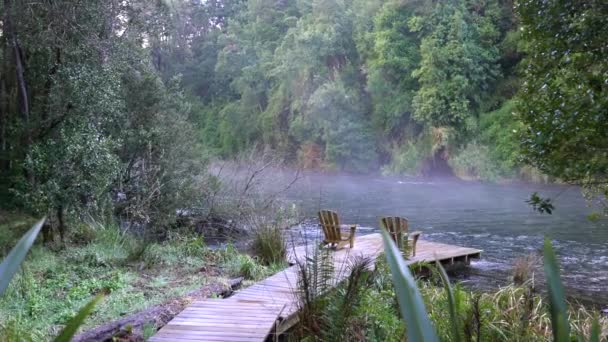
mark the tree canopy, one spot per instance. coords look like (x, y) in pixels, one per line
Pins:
(114, 106)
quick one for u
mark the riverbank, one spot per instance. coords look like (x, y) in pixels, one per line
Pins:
(365, 308)
(142, 278)
(56, 281)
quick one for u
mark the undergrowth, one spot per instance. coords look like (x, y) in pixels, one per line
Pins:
(365, 308)
(54, 283)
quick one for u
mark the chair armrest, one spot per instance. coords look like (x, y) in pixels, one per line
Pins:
(415, 235)
(348, 226)
(351, 227)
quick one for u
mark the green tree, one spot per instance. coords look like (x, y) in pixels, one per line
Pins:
(395, 55)
(85, 117)
(564, 99)
(456, 70)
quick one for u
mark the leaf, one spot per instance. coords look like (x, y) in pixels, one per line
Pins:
(451, 302)
(13, 260)
(559, 310)
(540, 204)
(70, 329)
(595, 331)
(419, 326)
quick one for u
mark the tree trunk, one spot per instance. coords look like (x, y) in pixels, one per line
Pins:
(24, 105)
(22, 93)
(3, 123)
(61, 226)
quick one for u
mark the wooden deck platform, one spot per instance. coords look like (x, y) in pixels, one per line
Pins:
(271, 305)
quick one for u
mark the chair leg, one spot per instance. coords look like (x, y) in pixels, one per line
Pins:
(352, 236)
(414, 245)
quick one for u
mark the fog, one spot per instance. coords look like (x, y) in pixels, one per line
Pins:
(491, 217)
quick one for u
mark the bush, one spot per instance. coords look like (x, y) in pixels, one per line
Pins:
(242, 265)
(474, 163)
(269, 244)
(406, 160)
(512, 313)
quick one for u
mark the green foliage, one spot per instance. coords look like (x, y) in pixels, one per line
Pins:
(336, 112)
(456, 69)
(269, 244)
(409, 158)
(475, 162)
(500, 130)
(559, 310)
(340, 85)
(53, 285)
(72, 326)
(542, 205)
(10, 264)
(511, 313)
(452, 302)
(88, 121)
(327, 84)
(395, 53)
(563, 101)
(9, 267)
(413, 311)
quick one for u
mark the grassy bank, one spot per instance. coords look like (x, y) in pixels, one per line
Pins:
(56, 281)
(365, 308)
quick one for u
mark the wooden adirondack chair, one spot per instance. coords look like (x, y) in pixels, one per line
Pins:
(397, 227)
(334, 237)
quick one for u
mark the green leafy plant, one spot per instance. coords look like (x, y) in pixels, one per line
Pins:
(452, 303)
(10, 265)
(540, 204)
(70, 329)
(419, 326)
(269, 243)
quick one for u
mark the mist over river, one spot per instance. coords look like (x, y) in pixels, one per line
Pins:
(491, 217)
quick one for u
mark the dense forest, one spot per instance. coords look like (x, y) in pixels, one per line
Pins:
(117, 106)
(357, 85)
(137, 134)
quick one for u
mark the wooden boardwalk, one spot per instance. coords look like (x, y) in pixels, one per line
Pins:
(271, 305)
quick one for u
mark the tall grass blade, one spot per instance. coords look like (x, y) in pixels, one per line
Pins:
(559, 310)
(419, 326)
(70, 329)
(451, 302)
(13, 260)
(595, 331)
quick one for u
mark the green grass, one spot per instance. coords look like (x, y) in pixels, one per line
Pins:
(52, 285)
(269, 244)
(511, 313)
(12, 227)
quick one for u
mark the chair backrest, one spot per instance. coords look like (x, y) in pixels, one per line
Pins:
(396, 227)
(330, 224)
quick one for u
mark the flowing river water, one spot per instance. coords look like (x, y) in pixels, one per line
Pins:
(491, 217)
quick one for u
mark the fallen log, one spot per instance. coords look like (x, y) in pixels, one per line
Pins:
(130, 328)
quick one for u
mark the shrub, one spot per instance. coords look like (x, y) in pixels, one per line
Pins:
(371, 310)
(406, 160)
(16, 330)
(474, 162)
(269, 244)
(249, 268)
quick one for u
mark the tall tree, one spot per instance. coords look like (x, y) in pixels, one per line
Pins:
(564, 99)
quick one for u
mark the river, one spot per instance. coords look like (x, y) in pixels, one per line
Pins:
(491, 217)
